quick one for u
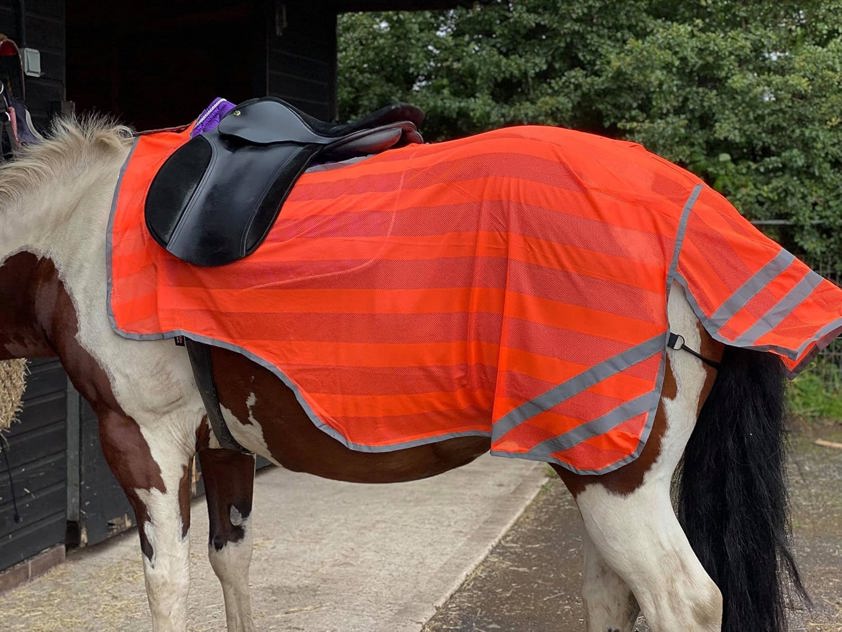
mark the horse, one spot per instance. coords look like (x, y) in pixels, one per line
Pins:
(720, 561)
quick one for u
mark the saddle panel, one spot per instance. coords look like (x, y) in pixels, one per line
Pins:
(215, 198)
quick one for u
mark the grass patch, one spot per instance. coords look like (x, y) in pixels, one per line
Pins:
(817, 392)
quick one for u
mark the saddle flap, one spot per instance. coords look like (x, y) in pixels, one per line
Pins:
(173, 186)
(210, 204)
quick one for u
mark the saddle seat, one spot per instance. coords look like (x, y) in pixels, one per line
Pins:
(214, 200)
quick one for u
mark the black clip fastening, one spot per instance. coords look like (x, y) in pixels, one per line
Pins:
(677, 342)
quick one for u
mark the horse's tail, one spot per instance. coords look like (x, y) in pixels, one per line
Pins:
(732, 493)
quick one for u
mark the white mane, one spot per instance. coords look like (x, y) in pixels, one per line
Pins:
(72, 146)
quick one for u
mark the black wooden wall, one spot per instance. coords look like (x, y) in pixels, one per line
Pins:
(155, 64)
(155, 67)
(37, 456)
(301, 57)
(44, 30)
(37, 444)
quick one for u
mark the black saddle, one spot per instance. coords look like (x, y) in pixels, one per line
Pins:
(214, 200)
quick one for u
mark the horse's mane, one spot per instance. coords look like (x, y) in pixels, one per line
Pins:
(73, 144)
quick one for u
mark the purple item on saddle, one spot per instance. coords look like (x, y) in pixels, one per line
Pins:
(211, 116)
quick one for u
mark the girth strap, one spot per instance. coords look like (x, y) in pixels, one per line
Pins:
(200, 360)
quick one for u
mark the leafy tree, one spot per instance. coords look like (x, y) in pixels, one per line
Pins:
(746, 95)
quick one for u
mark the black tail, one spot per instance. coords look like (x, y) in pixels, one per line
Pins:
(732, 493)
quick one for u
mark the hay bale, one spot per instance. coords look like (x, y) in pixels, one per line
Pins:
(12, 385)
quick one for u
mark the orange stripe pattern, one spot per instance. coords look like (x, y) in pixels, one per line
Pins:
(752, 293)
(510, 284)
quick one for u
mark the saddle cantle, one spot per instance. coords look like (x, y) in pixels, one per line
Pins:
(214, 200)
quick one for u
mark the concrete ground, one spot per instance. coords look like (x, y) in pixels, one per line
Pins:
(328, 556)
(347, 558)
(531, 580)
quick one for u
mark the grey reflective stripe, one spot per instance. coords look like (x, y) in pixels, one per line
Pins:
(682, 230)
(598, 426)
(576, 384)
(825, 332)
(110, 230)
(780, 310)
(750, 288)
(823, 338)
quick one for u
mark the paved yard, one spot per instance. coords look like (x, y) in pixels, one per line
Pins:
(337, 557)
(329, 557)
(531, 580)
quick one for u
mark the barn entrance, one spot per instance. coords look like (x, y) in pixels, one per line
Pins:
(152, 67)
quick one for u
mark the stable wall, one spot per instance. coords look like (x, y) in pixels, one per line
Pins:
(37, 443)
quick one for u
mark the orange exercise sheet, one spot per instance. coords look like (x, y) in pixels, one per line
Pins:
(511, 284)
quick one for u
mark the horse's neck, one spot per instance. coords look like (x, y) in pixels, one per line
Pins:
(48, 238)
(52, 214)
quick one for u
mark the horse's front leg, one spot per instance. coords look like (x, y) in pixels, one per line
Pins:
(153, 469)
(610, 605)
(229, 485)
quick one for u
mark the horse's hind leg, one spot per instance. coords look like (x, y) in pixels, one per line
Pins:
(154, 470)
(628, 513)
(610, 605)
(640, 538)
(229, 485)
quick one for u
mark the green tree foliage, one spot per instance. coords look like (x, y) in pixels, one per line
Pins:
(747, 95)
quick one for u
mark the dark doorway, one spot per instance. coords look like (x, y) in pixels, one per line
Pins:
(153, 68)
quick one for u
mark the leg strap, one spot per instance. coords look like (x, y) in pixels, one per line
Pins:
(676, 341)
(200, 360)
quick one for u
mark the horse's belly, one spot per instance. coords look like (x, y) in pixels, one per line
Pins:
(264, 416)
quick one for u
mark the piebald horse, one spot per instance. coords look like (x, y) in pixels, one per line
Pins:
(722, 561)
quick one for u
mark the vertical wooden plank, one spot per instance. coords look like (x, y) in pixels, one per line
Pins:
(73, 425)
(302, 59)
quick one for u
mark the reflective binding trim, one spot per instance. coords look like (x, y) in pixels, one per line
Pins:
(576, 384)
(823, 338)
(780, 310)
(750, 288)
(594, 428)
(681, 232)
